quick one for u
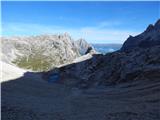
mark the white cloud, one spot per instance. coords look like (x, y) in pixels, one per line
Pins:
(92, 34)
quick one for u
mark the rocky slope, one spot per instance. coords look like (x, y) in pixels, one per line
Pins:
(129, 64)
(114, 68)
(29, 98)
(40, 53)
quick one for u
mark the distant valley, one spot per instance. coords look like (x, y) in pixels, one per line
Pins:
(106, 48)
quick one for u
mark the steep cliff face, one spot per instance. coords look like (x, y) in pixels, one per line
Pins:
(150, 37)
(40, 53)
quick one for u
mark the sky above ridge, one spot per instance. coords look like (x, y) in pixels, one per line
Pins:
(97, 22)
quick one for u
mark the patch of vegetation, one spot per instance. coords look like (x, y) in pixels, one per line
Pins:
(36, 62)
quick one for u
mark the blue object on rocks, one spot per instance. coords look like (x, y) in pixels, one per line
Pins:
(53, 78)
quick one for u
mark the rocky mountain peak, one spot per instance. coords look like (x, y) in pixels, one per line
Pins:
(150, 28)
(84, 47)
(157, 24)
(149, 38)
(81, 41)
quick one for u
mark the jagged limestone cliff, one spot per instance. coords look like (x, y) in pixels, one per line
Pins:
(40, 53)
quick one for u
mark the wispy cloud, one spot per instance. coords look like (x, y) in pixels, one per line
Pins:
(109, 23)
(93, 34)
(107, 35)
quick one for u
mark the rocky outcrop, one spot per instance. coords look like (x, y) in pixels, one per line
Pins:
(149, 38)
(41, 53)
(84, 47)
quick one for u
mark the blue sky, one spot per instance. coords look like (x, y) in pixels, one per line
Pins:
(97, 22)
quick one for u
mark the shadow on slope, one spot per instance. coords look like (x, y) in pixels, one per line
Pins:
(31, 97)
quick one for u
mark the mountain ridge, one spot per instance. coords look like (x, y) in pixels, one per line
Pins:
(41, 52)
(149, 38)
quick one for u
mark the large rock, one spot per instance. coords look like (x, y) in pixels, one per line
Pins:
(150, 37)
(40, 53)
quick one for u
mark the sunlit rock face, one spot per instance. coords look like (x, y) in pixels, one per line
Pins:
(150, 37)
(84, 47)
(40, 53)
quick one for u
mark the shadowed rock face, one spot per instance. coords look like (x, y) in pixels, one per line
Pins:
(31, 98)
(114, 68)
(41, 53)
(150, 37)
